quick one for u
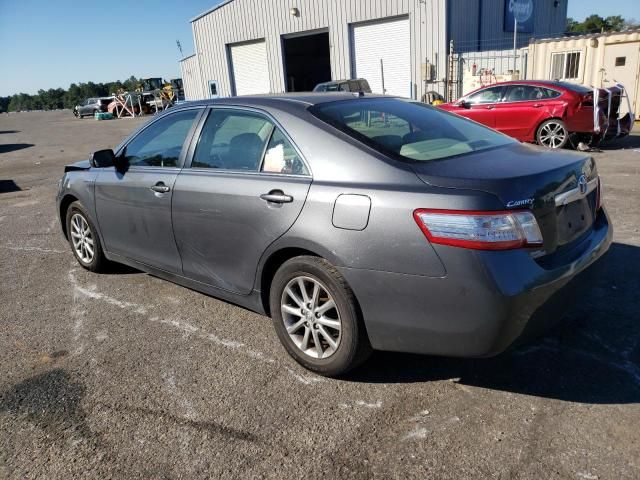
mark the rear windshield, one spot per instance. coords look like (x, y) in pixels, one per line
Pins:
(408, 130)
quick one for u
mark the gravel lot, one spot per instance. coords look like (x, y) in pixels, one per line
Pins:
(125, 375)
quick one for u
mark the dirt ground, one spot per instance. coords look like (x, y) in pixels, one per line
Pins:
(124, 375)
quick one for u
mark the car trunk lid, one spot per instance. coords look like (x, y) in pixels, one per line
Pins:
(550, 184)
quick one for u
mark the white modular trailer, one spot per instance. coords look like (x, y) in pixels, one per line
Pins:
(599, 60)
(253, 46)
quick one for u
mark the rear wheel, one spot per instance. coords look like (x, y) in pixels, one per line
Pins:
(83, 238)
(316, 317)
(552, 133)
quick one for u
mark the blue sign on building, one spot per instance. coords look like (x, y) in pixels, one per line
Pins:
(520, 10)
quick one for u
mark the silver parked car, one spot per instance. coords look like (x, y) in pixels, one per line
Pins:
(354, 221)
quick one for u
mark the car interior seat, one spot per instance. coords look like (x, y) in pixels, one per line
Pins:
(245, 152)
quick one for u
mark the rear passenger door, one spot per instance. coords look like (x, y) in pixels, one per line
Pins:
(522, 110)
(243, 187)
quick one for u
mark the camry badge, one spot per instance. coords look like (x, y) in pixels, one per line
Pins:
(520, 203)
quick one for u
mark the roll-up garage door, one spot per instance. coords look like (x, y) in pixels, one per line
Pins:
(250, 69)
(388, 41)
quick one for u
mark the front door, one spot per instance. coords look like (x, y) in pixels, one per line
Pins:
(134, 207)
(481, 105)
(244, 188)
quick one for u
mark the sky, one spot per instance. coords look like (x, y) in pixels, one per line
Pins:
(580, 9)
(53, 43)
(50, 44)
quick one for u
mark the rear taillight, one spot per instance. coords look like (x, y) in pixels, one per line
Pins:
(480, 230)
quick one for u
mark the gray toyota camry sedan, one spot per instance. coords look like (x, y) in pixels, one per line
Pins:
(356, 222)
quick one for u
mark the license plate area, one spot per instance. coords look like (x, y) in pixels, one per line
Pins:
(573, 219)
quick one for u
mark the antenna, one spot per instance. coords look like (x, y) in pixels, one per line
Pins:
(180, 48)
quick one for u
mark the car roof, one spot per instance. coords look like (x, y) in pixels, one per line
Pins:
(342, 81)
(285, 101)
(541, 83)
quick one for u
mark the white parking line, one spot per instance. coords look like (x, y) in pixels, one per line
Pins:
(31, 249)
(187, 329)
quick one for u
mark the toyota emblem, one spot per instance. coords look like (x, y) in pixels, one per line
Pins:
(582, 184)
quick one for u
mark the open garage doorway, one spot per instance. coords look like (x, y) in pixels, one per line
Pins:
(306, 61)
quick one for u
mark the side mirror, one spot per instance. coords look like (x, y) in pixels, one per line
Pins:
(464, 104)
(103, 158)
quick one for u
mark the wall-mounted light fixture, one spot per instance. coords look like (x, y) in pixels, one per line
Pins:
(294, 11)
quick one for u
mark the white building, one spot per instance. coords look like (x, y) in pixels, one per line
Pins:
(400, 46)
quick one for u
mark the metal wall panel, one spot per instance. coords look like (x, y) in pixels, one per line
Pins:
(190, 77)
(477, 25)
(246, 20)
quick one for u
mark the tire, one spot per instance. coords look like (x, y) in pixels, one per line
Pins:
(96, 262)
(552, 134)
(351, 344)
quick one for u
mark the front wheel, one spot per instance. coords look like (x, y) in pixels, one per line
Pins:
(552, 134)
(83, 238)
(316, 316)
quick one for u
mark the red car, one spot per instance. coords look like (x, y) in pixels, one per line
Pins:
(549, 113)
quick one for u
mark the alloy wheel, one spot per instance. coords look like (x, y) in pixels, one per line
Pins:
(82, 238)
(311, 317)
(553, 135)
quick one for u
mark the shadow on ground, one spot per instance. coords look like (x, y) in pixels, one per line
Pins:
(632, 141)
(53, 401)
(9, 131)
(7, 186)
(50, 400)
(592, 356)
(11, 147)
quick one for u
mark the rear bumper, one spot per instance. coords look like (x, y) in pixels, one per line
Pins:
(486, 302)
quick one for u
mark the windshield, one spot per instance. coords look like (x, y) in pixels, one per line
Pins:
(408, 130)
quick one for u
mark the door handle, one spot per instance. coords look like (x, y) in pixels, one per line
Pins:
(160, 187)
(537, 105)
(490, 107)
(276, 196)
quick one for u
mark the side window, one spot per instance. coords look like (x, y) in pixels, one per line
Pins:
(519, 93)
(551, 93)
(232, 140)
(160, 144)
(281, 157)
(488, 95)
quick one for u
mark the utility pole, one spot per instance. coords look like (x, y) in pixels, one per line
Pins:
(515, 42)
(450, 79)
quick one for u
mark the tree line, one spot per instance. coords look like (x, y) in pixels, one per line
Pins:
(598, 24)
(56, 98)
